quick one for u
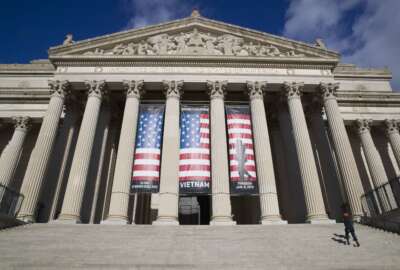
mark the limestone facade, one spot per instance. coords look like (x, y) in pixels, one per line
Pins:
(68, 125)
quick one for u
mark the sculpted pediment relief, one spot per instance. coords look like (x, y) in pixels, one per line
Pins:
(194, 36)
(195, 42)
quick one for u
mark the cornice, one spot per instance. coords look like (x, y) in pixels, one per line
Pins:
(204, 61)
(43, 69)
(352, 71)
(365, 99)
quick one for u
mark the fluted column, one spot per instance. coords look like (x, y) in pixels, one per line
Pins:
(392, 132)
(70, 211)
(70, 126)
(169, 188)
(374, 161)
(118, 212)
(312, 190)
(40, 155)
(265, 169)
(11, 153)
(341, 143)
(221, 203)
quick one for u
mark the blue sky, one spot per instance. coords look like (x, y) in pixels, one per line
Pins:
(366, 32)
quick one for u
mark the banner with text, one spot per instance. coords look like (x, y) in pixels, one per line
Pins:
(146, 164)
(243, 178)
(194, 155)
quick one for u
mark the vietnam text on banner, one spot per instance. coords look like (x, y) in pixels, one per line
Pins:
(146, 165)
(194, 156)
(243, 178)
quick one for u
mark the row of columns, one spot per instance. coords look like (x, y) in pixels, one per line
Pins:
(169, 192)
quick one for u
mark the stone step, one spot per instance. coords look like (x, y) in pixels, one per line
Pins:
(302, 246)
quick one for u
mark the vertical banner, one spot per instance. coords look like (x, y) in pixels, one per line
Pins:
(146, 164)
(243, 178)
(194, 155)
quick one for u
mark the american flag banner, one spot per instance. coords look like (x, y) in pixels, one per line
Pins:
(194, 156)
(146, 164)
(243, 178)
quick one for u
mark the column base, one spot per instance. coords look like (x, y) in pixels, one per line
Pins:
(357, 218)
(166, 221)
(222, 221)
(27, 219)
(67, 219)
(267, 221)
(318, 220)
(115, 221)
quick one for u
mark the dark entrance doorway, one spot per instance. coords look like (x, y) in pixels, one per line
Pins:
(246, 209)
(194, 210)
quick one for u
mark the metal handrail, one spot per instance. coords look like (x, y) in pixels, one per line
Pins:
(380, 204)
(10, 201)
(382, 199)
(382, 223)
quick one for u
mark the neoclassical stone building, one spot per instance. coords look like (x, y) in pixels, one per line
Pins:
(313, 132)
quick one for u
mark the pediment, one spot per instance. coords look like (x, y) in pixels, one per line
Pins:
(192, 36)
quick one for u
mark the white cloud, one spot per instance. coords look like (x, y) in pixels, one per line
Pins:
(374, 36)
(146, 12)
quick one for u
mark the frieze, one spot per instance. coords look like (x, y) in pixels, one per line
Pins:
(195, 43)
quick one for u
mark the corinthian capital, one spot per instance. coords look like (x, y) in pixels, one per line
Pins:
(363, 125)
(134, 88)
(59, 88)
(96, 88)
(256, 89)
(328, 90)
(217, 89)
(293, 89)
(173, 89)
(22, 122)
(391, 126)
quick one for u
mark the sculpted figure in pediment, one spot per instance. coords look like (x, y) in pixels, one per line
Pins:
(269, 50)
(210, 45)
(293, 54)
(119, 49)
(238, 48)
(225, 44)
(160, 43)
(180, 42)
(143, 47)
(97, 51)
(195, 40)
(195, 43)
(252, 50)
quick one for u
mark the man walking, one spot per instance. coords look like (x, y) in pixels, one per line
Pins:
(348, 225)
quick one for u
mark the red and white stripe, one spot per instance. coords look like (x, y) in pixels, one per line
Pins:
(239, 127)
(147, 164)
(194, 163)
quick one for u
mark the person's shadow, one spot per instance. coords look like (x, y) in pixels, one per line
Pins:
(339, 238)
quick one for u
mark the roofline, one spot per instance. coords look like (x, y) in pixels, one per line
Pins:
(188, 21)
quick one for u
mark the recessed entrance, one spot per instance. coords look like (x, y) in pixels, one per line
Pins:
(246, 209)
(142, 208)
(194, 210)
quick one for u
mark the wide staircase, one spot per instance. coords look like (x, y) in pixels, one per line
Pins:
(303, 246)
